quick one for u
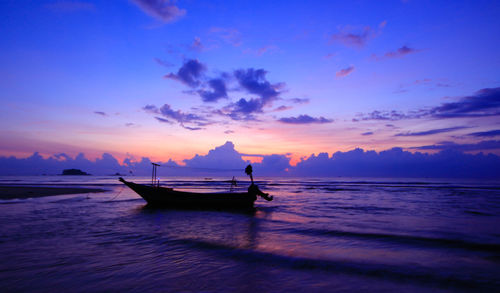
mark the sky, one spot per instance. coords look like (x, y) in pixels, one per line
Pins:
(168, 80)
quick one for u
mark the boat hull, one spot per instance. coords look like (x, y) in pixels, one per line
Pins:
(167, 197)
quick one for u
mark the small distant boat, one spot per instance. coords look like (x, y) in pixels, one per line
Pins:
(168, 197)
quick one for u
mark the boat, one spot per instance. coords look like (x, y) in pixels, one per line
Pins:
(155, 195)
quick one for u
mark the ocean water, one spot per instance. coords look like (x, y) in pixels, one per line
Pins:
(318, 235)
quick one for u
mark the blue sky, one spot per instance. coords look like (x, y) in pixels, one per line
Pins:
(77, 76)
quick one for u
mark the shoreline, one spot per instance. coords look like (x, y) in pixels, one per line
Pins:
(24, 192)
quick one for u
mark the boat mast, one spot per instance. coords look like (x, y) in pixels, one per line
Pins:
(153, 176)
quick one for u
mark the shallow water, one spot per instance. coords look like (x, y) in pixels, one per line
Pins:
(318, 235)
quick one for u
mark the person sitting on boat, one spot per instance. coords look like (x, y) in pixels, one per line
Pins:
(254, 189)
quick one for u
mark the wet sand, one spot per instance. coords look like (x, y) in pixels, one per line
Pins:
(12, 192)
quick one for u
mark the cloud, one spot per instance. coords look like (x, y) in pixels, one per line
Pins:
(282, 108)
(163, 120)
(228, 131)
(189, 73)
(181, 117)
(177, 115)
(403, 88)
(422, 81)
(218, 90)
(163, 10)
(70, 6)
(163, 62)
(130, 124)
(352, 39)
(274, 165)
(229, 35)
(250, 106)
(398, 163)
(151, 109)
(345, 72)
(367, 133)
(107, 164)
(304, 119)
(403, 51)
(483, 103)
(243, 109)
(37, 165)
(100, 113)
(192, 128)
(197, 45)
(254, 81)
(300, 101)
(250, 80)
(490, 133)
(449, 145)
(224, 155)
(381, 115)
(395, 162)
(356, 37)
(294, 101)
(431, 132)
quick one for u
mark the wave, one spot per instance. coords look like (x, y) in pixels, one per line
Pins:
(13, 201)
(370, 209)
(341, 189)
(421, 185)
(71, 199)
(413, 240)
(121, 200)
(398, 273)
(478, 213)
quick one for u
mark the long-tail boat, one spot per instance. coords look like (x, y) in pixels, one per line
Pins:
(168, 197)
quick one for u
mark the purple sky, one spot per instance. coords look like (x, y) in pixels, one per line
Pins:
(168, 80)
(226, 161)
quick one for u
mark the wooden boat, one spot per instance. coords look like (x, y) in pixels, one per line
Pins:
(168, 197)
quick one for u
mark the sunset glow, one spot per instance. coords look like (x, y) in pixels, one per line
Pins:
(135, 79)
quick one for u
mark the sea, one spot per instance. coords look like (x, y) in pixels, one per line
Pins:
(317, 235)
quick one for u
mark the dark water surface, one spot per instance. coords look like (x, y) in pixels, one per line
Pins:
(317, 235)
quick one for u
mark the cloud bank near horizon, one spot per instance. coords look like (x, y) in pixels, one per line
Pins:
(225, 160)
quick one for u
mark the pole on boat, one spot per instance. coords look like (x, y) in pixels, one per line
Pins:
(153, 176)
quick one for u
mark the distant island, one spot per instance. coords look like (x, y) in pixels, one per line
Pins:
(74, 172)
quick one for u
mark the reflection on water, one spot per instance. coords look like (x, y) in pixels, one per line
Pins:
(317, 235)
(238, 228)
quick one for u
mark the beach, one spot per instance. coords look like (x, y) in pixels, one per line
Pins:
(23, 192)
